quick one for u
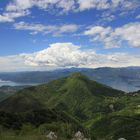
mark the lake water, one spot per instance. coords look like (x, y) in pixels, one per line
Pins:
(10, 83)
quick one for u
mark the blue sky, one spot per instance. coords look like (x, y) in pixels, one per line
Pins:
(50, 34)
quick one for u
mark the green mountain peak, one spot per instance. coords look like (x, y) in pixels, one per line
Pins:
(78, 75)
(77, 99)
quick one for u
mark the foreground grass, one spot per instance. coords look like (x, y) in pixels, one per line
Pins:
(25, 138)
(22, 138)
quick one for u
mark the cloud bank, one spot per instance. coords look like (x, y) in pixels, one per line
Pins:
(66, 55)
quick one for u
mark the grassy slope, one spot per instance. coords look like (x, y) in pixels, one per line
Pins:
(86, 100)
(122, 123)
(76, 94)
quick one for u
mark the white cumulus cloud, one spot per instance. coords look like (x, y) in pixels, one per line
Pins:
(112, 38)
(10, 16)
(66, 55)
(60, 55)
(23, 7)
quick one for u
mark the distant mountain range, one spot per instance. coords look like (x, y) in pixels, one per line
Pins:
(126, 79)
(74, 103)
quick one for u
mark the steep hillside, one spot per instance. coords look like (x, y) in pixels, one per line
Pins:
(75, 94)
(79, 96)
(123, 123)
(113, 127)
(109, 114)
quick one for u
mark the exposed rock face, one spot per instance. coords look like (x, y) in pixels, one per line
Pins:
(121, 139)
(111, 106)
(79, 136)
(52, 136)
